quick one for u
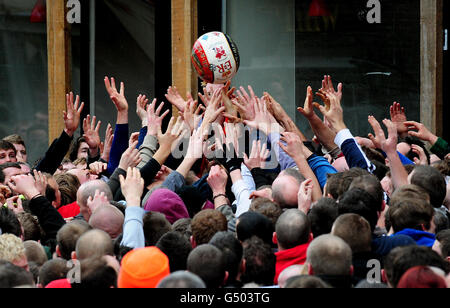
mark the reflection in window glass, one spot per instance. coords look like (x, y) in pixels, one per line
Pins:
(23, 76)
(287, 45)
(125, 50)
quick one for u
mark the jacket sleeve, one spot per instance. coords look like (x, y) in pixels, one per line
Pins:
(49, 218)
(174, 181)
(259, 176)
(119, 145)
(321, 168)
(149, 171)
(133, 228)
(114, 182)
(147, 149)
(55, 154)
(441, 148)
(353, 153)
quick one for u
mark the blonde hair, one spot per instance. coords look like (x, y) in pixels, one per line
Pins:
(11, 248)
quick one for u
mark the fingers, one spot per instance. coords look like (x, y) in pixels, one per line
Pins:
(376, 127)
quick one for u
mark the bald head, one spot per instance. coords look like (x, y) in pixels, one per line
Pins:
(109, 219)
(293, 229)
(88, 190)
(285, 188)
(291, 271)
(329, 255)
(94, 243)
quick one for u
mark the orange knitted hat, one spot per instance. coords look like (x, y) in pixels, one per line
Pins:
(143, 268)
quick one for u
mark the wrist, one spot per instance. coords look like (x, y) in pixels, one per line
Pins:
(133, 201)
(340, 126)
(32, 193)
(69, 132)
(219, 191)
(122, 117)
(433, 139)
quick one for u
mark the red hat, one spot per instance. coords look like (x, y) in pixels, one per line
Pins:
(421, 277)
(143, 268)
(59, 284)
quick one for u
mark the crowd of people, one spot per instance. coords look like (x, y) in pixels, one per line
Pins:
(231, 194)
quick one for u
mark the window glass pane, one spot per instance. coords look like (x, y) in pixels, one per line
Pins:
(125, 50)
(285, 47)
(23, 75)
(264, 34)
(377, 63)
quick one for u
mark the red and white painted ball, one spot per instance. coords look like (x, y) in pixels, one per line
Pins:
(215, 57)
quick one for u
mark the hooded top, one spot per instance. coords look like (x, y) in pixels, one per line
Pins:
(289, 257)
(422, 238)
(168, 203)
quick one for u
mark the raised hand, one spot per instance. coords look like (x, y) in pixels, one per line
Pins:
(173, 133)
(422, 160)
(73, 114)
(99, 199)
(98, 167)
(245, 103)
(332, 110)
(398, 117)
(174, 97)
(305, 196)
(217, 180)
(134, 138)
(193, 114)
(258, 156)
(214, 109)
(132, 187)
(294, 145)
(420, 131)
(107, 144)
(154, 119)
(308, 108)
(118, 98)
(130, 158)
(327, 87)
(263, 119)
(141, 109)
(388, 145)
(24, 185)
(91, 134)
(40, 181)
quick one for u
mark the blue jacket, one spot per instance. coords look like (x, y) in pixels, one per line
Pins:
(422, 238)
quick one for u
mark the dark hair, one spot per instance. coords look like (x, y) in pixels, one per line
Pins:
(182, 280)
(254, 224)
(410, 214)
(333, 184)
(443, 238)
(355, 231)
(346, 179)
(9, 222)
(155, 226)
(177, 248)
(73, 151)
(306, 282)
(432, 181)
(414, 140)
(68, 186)
(192, 198)
(232, 250)
(183, 226)
(14, 139)
(12, 276)
(52, 270)
(372, 186)
(267, 208)
(260, 262)
(96, 274)
(207, 223)
(32, 231)
(293, 229)
(358, 201)
(6, 166)
(401, 259)
(322, 216)
(5, 145)
(68, 235)
(440, 221)
(207, 262)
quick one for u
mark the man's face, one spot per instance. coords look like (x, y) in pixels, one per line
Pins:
(53, 184)
(21, 153)
(83, 175)
(10, 172)
(83, 151)
(7, 156)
